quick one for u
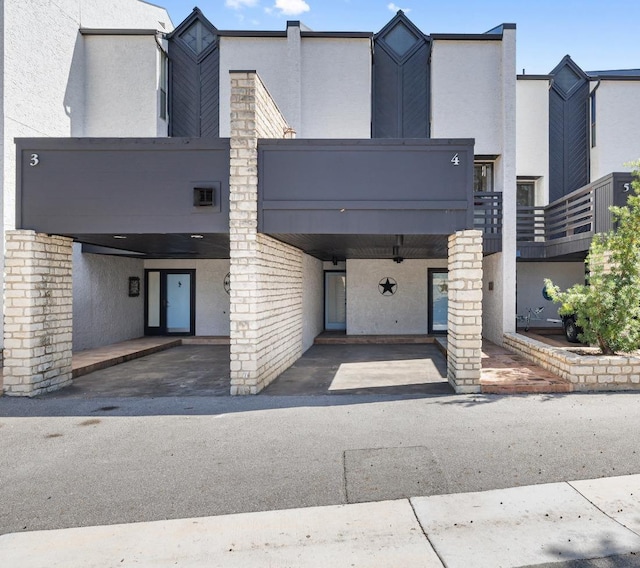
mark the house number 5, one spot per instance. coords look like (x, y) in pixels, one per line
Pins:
(35, 160)
(627, 187)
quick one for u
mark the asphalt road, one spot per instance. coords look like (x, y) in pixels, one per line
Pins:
(75, 462)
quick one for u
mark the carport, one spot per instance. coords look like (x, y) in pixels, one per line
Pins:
(200, 369)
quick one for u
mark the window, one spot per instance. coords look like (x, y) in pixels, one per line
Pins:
(198, 37)
(163, 86)
(483, 176)
(592, 100)
(526, 193)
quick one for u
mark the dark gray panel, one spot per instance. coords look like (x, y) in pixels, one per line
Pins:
(184, 90)
(568, 129)
(415, 95)
(401, 74)
(121, 186)
(577, 139)
(386, 96)
(210, 95)
(193, 82)
(556, 146)
(365, 186)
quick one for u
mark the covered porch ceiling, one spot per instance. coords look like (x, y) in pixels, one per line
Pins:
(195, 245)
(342, 247)
(323, 247)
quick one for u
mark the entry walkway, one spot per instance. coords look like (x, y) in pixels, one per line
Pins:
(504, 372)
(90, 360)
(555, 524)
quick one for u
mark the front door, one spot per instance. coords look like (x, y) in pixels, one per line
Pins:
(438, 300)
(170, 302)
(335, 300)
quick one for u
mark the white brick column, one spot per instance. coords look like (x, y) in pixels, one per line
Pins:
(266, 275)
(38, 316)
(464, 340)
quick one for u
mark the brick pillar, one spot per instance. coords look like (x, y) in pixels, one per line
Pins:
(37, 313)
(266, 275)
(464, 350)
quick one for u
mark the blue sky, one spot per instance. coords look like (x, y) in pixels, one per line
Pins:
(598, 34)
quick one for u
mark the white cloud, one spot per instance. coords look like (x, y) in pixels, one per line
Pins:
(394, 8)
(292, 7)
(239, 4)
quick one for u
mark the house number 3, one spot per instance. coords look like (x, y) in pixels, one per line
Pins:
(35, 160)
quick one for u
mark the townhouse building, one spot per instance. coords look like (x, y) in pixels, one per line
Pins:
(270, 185)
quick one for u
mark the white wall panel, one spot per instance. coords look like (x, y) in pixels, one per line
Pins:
(406, 312)
(531, 277)
(466, 92)
(617, 127)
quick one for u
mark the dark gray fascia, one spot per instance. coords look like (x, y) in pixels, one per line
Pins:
(298, 142)
(467, 37)
(354, 35)
(526, 77)
(118, 32)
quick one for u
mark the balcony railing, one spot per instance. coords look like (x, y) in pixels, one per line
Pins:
(487, 214)
(564, 226)
(571, 214)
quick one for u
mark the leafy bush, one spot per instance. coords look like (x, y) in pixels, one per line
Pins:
(608, 307)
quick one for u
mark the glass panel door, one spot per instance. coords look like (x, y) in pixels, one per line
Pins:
(170, 302)
(178, 303)
(335, 300)
(438, 300)
(153, 299)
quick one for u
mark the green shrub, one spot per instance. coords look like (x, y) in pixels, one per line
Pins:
(608, 307)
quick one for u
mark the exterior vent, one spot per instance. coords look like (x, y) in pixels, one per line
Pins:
(207, 196)
(204, 196)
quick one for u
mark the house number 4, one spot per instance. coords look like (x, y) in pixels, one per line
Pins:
(35, 160)
(455, 160)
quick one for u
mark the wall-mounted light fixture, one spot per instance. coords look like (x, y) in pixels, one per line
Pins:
(134, 286)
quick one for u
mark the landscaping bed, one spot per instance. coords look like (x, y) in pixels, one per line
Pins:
(584, 367)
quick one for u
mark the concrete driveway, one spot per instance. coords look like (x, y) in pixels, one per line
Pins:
(203, 370)
(365, 369)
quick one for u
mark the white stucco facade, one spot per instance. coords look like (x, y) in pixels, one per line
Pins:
(318, 98)
(617, 127)
(532, 134)
(45, 76)
(121, 86)
(336, 99)
(92, 79)
(466, 92)
(48, 89)
(103, 312)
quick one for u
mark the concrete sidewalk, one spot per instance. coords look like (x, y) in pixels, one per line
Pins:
(566, 523)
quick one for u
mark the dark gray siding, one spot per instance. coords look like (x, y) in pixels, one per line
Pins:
(365, 186)
(111, 186)
(401, 75)
(568, 130)
(194, 97)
